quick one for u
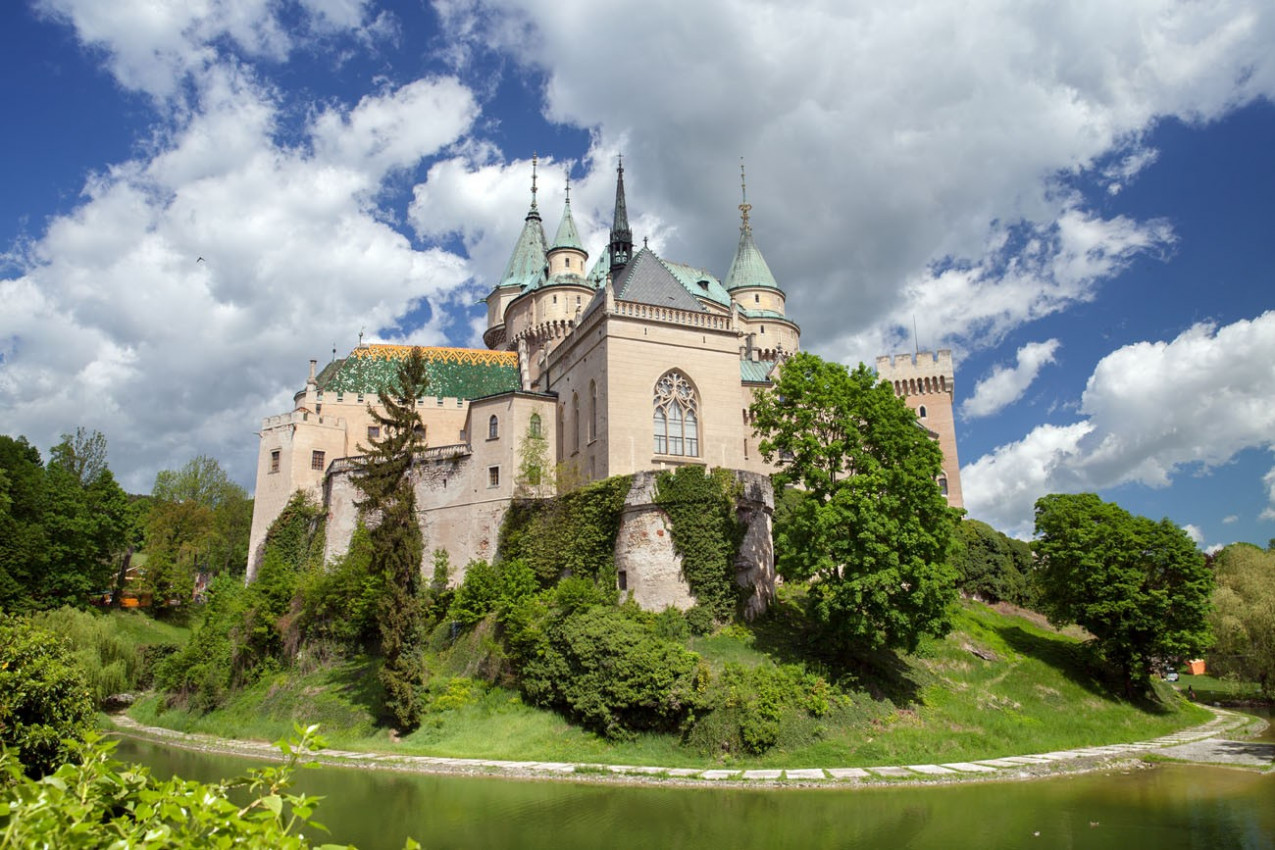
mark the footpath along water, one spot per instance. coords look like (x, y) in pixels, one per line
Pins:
(1164, 806)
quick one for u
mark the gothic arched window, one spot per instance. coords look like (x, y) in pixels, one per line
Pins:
(676, 416)
(534, 426)
(493, 428)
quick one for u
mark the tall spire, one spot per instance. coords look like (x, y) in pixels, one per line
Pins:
(526, 266)
(621, 236)
(748, 268)
(567, 235)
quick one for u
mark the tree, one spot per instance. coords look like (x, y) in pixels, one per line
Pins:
(1141, 587)
(383, 475)
(1243, 617)
(83, 454)
(987, 564)
(44, 699)
(199, 521)
(873, 529)
(24, 547)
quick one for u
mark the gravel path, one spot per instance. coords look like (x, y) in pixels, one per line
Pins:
(1202, 744)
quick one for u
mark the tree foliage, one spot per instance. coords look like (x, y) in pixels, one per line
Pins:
(383, 475)
(1243, 617)
(1141, 587)
(44, 699)
(992, 566)
(63, 526)
(873, 529)
(96, 801)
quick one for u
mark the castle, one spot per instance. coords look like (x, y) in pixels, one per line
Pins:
(634, 364)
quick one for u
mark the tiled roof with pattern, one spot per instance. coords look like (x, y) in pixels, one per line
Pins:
(453, 372)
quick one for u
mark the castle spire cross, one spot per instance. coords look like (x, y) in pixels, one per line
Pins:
(745, 206)
(534, 159)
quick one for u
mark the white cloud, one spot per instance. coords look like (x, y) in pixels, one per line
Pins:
(1151, 409)
(1230, 519)
(114, 322)
(1194, 533)
(1006, 385)
(884, 189)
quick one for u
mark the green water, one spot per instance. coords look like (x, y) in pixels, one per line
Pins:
(1163, 807)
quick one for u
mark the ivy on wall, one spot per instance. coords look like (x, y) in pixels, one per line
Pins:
(571, 534)
(706, 533)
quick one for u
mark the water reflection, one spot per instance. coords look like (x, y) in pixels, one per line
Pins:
(1165, 807)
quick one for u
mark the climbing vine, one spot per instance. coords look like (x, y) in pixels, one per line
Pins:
(701, 508)
(572, 534)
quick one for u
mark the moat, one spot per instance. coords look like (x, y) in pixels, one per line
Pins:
(1163, 806)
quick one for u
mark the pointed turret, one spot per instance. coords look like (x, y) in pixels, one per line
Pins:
(526, 268)
(567, 257)
(567, 235)
(621, 246)
(749, 268)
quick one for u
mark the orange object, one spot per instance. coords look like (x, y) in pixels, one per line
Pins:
(1196, 667)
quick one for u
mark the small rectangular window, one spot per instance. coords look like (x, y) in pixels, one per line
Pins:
(360, 398)
(274, 460)
(374, 432)
(317, 461)
(493, 476)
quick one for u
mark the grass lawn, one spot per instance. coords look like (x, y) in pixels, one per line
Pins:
(1209, 689)
(1026, 690)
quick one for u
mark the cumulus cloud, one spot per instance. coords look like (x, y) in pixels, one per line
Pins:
(1151, 409)
(1194, 533)
(178, 303)
(883, 189)
(1006, 385)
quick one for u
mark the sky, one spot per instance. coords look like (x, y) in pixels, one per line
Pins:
(1078, 199)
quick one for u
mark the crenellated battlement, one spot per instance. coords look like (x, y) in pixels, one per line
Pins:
(920, 374)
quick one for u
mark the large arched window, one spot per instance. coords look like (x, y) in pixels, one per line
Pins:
(676, 416)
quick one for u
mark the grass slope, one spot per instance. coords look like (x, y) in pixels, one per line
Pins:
(1026, 690)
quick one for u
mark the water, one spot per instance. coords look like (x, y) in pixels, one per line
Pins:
(1163, 807)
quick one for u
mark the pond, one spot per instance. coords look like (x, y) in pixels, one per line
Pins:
(1170, 806)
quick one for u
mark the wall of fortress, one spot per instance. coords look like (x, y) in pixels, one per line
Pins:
(925, 382)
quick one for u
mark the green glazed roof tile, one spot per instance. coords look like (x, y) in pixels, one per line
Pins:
(453, 372)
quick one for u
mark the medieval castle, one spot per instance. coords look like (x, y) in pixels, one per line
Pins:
(632, 365)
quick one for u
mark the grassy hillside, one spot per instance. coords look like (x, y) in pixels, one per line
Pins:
(999, 684)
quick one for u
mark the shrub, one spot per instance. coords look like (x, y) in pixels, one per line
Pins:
(608, 669)
(44, 699)
(110, 663)
(571, 534)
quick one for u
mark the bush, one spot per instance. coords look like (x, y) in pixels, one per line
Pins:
(44, 699)
(608, 669)
(110, 663)
(570, 535)
(99, 802)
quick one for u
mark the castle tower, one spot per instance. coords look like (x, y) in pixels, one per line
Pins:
(757, 295)
(567, 255)
(621, 245)
(926, 382)
(526, 269)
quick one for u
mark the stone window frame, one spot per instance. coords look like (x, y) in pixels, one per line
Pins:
(493, 476)
(675, 407)
(318, 460)
(534, 427)
(493, 427)
(275, 455)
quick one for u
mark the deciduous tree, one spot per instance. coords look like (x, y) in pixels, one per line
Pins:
(1141, 587)
(873, 530)
(1243, 618)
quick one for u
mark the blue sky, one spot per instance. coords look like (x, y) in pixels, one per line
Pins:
(1076, 200)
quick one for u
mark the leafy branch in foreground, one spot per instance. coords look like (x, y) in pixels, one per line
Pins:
(100, 802)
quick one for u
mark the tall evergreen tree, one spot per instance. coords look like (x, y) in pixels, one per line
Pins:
(383, 475)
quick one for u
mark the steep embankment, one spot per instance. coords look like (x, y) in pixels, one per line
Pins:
(998, 685)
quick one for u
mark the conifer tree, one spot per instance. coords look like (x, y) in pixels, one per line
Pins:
(384, 477)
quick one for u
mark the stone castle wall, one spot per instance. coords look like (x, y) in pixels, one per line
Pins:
(925, 382)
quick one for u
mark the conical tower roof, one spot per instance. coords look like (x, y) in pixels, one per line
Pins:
(527, 264)
(748, 268)
(567, 235)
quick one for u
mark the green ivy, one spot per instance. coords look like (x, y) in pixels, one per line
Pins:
(572, 534)
(706, 533)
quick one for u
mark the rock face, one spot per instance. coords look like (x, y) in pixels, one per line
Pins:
(649, 569)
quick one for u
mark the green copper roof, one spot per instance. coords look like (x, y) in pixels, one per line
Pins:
(749, 266)
(601, 268)
(567, 237)
(699, 282)
(763, 314)
(453, 372)
(527, 264)
(755, 371)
